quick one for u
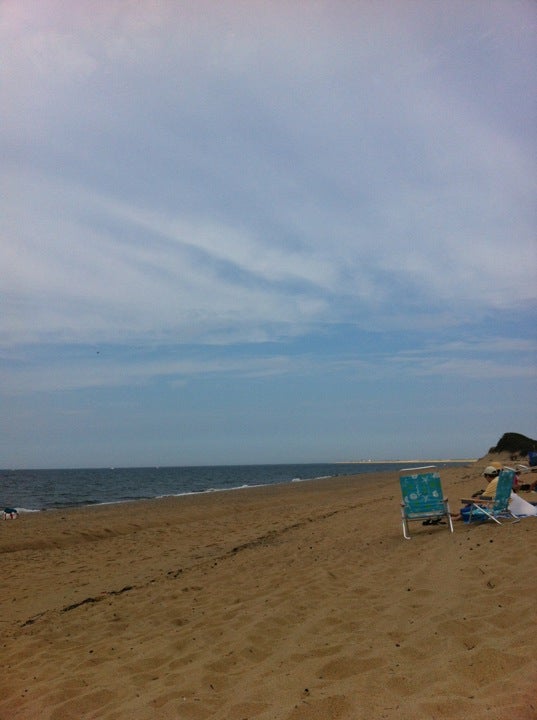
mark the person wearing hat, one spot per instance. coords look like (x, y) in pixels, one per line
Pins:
(491, 474)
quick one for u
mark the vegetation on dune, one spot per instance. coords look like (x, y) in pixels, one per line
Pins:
(515, 443)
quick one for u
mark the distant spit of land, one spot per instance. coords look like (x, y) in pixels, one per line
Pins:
(398, 462)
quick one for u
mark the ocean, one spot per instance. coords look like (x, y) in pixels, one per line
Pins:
(35, 490)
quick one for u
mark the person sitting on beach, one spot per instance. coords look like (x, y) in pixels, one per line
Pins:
(516, 482)
(491, 474)
(10, 513)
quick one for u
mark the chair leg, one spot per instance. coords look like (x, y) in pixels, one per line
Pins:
(448, 516)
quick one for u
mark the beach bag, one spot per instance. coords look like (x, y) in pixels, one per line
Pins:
(520, 507)
(477, 514)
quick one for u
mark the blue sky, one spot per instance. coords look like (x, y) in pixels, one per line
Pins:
(244, 232)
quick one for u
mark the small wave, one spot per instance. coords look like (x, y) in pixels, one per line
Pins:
(120, 501)
(317, 477)
(208, 490)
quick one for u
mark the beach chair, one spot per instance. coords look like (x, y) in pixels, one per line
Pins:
(423, 498)
(498, 507)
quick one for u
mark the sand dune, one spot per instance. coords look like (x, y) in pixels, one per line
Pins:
(283, 603)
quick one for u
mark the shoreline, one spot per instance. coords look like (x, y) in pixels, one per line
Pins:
(279, 602)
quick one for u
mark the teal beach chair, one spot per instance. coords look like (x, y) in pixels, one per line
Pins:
(423, 498)
(481, 509)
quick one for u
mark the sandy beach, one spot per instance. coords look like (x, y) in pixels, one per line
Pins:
(291, 602)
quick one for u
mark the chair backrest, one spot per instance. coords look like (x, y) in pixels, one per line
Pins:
(503, 490)
(422, 493)
(532, 459)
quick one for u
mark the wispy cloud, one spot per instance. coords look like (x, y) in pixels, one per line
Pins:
(256, 179)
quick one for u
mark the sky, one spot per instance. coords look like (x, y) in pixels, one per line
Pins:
(258, 232)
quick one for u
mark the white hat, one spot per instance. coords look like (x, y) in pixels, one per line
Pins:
(491, 470)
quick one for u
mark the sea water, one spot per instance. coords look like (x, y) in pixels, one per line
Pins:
(31, 490)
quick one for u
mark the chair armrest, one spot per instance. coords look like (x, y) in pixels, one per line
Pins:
(477, 501)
